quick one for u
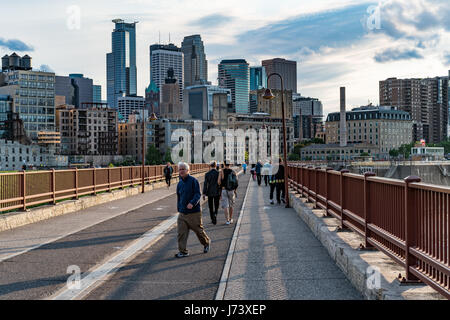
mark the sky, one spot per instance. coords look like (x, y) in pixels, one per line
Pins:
(335, 43)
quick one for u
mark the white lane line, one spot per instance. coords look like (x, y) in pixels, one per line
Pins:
(100, 273)
(227, 267)
(83, 227)
(95, 277)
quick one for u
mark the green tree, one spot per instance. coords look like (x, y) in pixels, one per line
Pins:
(153, 156)
(168, 156)
(294, 157)
(364, 154)
(393, 153)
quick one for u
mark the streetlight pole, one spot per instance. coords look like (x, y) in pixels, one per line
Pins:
(152, 118)
(269, 95)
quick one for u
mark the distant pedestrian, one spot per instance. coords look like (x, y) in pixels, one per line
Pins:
(229, 183)
(212, 190)
(266, 172)
(244, 167)
(279, 177)
(190, 214)
(168, 171)
(253, 172)
(258, 172)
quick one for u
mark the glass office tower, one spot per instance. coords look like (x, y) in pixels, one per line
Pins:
(258, 78)
(235, 75)
(195, 63)
(121, 72)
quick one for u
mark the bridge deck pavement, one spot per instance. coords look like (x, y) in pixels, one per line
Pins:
(277, 257)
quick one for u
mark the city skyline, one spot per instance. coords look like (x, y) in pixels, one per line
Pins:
(334, 45)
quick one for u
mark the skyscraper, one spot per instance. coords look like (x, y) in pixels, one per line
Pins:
(97, 93)
(235, 75)
(288, 71)
(258, 78)
(426, 100)
(195, 63)
(163, 57)
(121, 72)
(33, 94)
(75, 88)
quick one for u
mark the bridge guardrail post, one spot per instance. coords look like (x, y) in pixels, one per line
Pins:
(367, 211)
(24, 188)
(54, 185)
(76, 183)
(316, 189)
(410, 228)
(326, 190)
(342, 196)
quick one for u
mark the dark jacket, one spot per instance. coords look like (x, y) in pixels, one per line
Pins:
(279, 176)
(210, 186)
(258, 168)
(168, 171)
(188, 191)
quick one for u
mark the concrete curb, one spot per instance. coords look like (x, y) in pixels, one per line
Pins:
(359, 266)
(14, 220)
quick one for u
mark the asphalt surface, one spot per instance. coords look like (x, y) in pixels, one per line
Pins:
(153, 274)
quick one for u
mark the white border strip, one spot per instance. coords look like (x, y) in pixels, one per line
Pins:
(95, 277)
(71, 232)
(227, 267)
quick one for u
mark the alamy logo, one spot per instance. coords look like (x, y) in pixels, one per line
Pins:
(74, 280)
(373, 278)
(232, 145)
(73, 17)
(373, 21)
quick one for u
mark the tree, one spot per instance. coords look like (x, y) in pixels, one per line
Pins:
(393, 153)
(364, 154)
(293, 157)
(153, 156)
(168, 156)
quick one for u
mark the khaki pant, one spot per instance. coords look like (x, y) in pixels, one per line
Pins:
(186, 222)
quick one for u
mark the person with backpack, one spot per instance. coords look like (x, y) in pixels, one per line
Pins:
(212, 190)
(168, 171)
(229, 183)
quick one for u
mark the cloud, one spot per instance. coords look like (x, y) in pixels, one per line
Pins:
(334, 28)
(212, 20)
(45, 68)
(446, 58)
(397, 54)
(15, 45)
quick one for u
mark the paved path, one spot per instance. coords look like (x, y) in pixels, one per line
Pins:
(277, 257)
(268, 254)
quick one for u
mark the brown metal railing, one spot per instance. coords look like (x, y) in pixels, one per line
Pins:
(407, 220)
(21, 190)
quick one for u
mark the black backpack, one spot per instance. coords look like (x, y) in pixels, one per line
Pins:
(231, 183)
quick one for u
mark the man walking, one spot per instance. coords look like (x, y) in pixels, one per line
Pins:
(228, 182)
(258, 172)
(244, 167)
(168, 171)
(190, 214)
(212, 190)
(279, 178)
(266, 172)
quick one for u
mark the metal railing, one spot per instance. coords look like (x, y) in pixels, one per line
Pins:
(407, 220)
(21, 190)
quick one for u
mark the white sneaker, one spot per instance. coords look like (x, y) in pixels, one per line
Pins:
(228, 222)
(231, 221)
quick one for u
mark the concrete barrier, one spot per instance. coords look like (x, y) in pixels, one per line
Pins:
(371, 272)
(9, 221)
